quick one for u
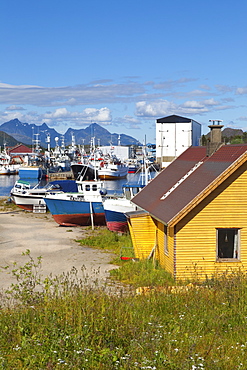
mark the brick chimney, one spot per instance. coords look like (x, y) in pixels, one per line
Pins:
(215, 141)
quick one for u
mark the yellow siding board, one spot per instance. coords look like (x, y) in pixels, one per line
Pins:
(165, 258)
(196, 233)
(142, 231)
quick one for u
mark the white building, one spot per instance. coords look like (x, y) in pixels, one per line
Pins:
(174, 134)
(121, 152)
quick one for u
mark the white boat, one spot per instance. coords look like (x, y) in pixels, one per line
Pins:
(117, 207)
(6, 167)
(26, 197)
(100, 166)
(112, 169)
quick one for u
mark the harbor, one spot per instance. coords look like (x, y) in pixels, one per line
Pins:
(115, 186)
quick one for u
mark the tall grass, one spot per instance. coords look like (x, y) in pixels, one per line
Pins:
(68, 324)
(77, 327)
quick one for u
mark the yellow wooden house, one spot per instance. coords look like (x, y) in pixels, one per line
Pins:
(194, 214)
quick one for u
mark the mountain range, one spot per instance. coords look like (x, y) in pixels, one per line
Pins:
(14, 132)
(26, 133)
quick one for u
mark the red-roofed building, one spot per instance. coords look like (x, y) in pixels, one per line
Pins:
(20, 153)
(194, 217)
(19, 149)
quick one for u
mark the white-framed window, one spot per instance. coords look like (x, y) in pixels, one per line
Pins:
(165, 240)
(228, 243)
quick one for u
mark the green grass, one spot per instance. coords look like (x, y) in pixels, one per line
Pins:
(63, 323)
(7, 206)
(142, 273)
(83, 328)
(103, 239)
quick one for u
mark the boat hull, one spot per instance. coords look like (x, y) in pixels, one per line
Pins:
(87, 172)
(115, 210)
(76, 213)
(116, 221)
(113, 171)
(27, 202)
(30, 172)
(111, 176)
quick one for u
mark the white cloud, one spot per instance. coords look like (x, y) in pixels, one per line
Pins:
(193, 104)
(88, 115)
(242, 118)
(14, 107)
(197, 93)
(154, 109)
(225, 88)
(87, 94)
(241, 91)
(128, 121)
(163, 107)
(62, 116)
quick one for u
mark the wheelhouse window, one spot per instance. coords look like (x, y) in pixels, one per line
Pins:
(228, 243)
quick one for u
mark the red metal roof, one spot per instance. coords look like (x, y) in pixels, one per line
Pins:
(20, 149)
(191, 183)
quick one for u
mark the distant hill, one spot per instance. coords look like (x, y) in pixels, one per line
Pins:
(26, 133)
(228, 134)
(231, 132)
(7, 139)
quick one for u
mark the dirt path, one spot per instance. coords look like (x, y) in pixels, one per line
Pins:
(40, 234)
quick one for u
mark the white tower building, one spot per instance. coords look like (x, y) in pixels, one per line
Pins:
(174, 134)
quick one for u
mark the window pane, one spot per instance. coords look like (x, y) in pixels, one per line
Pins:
(228, 243)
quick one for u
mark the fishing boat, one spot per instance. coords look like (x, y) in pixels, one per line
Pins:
(30, 172)
(85, 169)
(116, 207)
(27, 197)
(112, 169)
(79, 209)
(6, 166)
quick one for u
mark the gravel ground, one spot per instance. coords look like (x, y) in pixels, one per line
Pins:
(56, 245)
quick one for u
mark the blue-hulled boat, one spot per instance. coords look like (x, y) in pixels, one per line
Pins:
(79, 209)
(116, 208)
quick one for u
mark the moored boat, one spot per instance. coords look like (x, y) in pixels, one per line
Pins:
(7, 167)
(112, 170)
(30, 172)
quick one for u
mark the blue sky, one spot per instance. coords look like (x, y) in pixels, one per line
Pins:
(123, 64)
